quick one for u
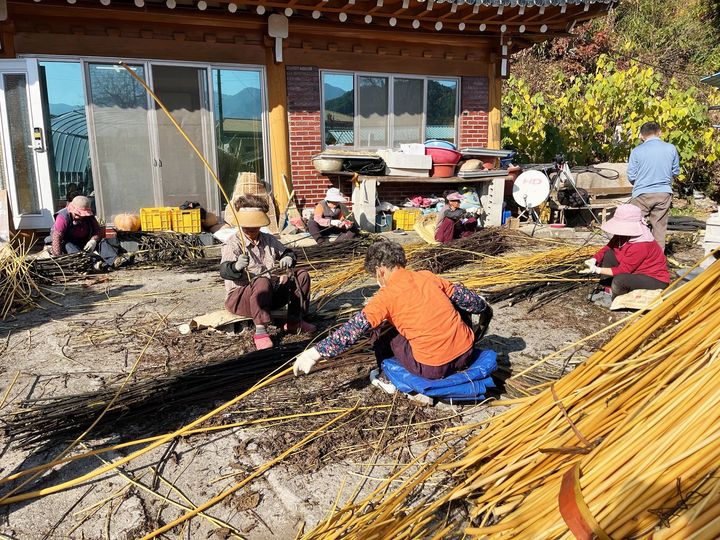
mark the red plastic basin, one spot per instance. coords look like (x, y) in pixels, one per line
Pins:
(442, 170)
(443, 155)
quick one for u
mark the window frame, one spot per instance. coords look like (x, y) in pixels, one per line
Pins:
(391, 103)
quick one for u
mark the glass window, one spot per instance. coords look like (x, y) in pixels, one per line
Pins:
(238, 124)
(372, 111)
(339, 109)
(68, 152)
(441, 109)
(122, 140)
(23, 160)
(376, 111)
(183, 90)
(408, 110)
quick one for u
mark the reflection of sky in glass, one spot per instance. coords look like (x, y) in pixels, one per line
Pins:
(235, 81)
(64, 86)
(241, 94)
(448, 84)
(343, 82)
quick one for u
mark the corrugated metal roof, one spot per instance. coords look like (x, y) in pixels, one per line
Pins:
(712, 80)
(70, 142)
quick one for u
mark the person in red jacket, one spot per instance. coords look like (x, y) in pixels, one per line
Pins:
(632, 259)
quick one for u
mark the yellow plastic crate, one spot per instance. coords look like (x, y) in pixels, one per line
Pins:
(405, 219)
(186, 221)
(154, 219)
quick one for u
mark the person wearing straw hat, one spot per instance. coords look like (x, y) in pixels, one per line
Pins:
(631, 260)
(76, 229)
(427, 323)
(328, 219)
(452, 221)
(261, 277)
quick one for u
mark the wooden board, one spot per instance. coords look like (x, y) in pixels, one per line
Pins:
(7, 228)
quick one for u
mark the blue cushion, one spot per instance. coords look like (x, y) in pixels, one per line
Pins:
(470, 384)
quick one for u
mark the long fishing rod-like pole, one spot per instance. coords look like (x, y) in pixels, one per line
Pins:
(195, 149)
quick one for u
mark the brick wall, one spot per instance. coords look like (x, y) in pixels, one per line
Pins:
(303, 89)
(474, 112)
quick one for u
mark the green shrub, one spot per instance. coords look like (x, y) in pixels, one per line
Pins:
(597, 117)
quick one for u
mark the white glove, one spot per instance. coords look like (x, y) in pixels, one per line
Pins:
(305, 361)
(90, 246)
(242, 263)
(286, 262)
(591, 267)
(336, 223)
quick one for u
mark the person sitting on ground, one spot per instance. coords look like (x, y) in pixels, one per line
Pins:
(631, 260)
(429, 321)
(452, 221)
(255, 284)
(76, 229)
(329, 219)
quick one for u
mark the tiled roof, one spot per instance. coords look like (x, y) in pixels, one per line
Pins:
(527, 3)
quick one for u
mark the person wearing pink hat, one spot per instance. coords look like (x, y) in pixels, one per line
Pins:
(632, 259)
(452, 221)
(329, 219)
(76, 229)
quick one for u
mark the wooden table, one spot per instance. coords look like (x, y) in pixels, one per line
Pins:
(365, 194)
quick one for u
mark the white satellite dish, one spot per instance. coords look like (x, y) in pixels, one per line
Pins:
(531, 189)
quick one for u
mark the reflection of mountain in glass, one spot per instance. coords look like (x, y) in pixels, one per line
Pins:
(339, 100)
(441, 103)
(56, 109)
(245, 104)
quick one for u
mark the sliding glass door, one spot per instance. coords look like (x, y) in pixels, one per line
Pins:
(123, 159)
(86, 126)
(183, 177)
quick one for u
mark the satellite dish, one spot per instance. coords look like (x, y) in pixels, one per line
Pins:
(531, 189)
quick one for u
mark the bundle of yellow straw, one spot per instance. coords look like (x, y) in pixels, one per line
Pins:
(18, 289)
(640, 421)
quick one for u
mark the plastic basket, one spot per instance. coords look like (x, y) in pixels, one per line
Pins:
(186, 221)
(405, 219)
(154, 219)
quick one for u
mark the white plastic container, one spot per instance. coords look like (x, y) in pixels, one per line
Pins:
(413, 149)
(712, 236)
(401, 164)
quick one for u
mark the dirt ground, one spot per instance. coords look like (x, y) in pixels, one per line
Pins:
(92, 338)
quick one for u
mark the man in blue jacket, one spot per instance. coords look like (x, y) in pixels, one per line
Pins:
(651, 169)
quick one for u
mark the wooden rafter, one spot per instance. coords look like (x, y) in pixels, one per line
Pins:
(451, 15)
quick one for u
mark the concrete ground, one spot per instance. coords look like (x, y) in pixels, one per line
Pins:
(95, 333)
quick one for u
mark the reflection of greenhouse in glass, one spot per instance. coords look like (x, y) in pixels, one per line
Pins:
(70, 152)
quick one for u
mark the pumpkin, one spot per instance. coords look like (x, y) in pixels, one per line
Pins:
(210, 219)
(127, 222)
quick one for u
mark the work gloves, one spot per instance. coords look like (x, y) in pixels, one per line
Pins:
(90, 246)
(305, 361)
(286, 262)
(336, 223)
(242, 263)
(592, 267)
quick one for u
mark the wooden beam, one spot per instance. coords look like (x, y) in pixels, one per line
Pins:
(278, 129)
(7, 39)
(494, 106)
(160, 16)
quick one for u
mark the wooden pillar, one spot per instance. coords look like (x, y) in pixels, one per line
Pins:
(7, 40)
(278, 127)
(494, 106)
